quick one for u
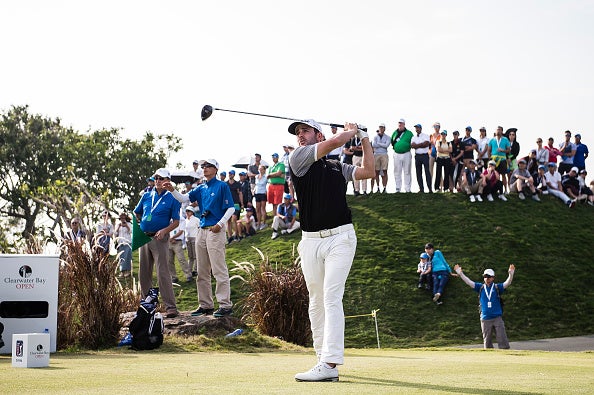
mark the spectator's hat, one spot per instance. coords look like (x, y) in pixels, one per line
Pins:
(488, 273)
(275, 155)
(190, 208)
(436, 124)
(445, 132)
(382, 125)
(291, 146)
(151, 178)
(492, 163)
(522, 161)
(583, 171)
(187, 182)
(418, 125)
(575, 169)
(163, 172)
(552, 164)
(469, 128)
(287, 196)
(542, 167)
(232, 171)
(456, 133)
(579, 136)
(223, 173)
(242, 173)
(401, 120)
(483, 129)
(196, 161)
(424, 255)
(210, 162)
(308, 122)
(533, 151)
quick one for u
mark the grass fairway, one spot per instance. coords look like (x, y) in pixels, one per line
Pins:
(367, 371)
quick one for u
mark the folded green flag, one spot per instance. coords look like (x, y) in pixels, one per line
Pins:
(139, 238)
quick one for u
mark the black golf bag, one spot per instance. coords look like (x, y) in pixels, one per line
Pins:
(147, 327)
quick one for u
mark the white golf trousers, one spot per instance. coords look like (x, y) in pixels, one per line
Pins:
(402, 163)
(326, 262)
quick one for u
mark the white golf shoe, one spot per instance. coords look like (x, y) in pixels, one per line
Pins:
(478, 198)
(320, 372)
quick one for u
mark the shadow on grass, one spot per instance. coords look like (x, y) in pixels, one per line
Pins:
(423, 387)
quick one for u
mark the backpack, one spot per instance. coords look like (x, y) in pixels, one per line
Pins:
(498, 295)
(147, 327)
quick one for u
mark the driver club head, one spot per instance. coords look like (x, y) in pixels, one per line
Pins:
(206, 112)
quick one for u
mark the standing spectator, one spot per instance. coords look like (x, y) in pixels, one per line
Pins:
(581, 153)
(223, 176)
(424, 270)
(246, 191)
(472, 182)
(150, 184)
(158, 214)
(457, 164)
(359, 186)
(542, 155)
(469, 145)
(336, 152)
(285, 219)
(584, 190)
(444, 151)
(567, 149)
(552, 150)
(491, 182)
(260, 195)
(434, 138)
(276, 182)
(521, 181)
(253, 171)
(123, 241)
(288, 184)
(440, 270)
(192, 226)
(422, 144)
(554, 186)
(483, 152)
(514, 150)
(500, 147)
(490, 304)
(237, 195)
(328, 244)
(176, 241)
(103, 235)
(216, 207)
(380, 145)
(400, 141)
(75, 233)
(198, 175)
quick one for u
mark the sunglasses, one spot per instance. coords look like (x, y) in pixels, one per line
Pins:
(159, 178)
(74, 223)
(206, 165)
(487, 276)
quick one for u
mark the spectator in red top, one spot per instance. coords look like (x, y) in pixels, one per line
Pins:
(553, 151)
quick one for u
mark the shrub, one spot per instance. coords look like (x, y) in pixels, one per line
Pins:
(277, 299)
(90, 298)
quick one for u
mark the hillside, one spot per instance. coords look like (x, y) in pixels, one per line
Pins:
(550, 244)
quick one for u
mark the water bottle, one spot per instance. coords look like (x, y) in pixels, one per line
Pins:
(236, 332)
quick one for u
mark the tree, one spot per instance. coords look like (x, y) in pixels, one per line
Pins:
(52, 173)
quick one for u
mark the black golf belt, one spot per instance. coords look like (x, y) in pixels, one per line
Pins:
(320, 234)
(150, 234)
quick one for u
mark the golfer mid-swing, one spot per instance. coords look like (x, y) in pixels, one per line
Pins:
(328, 243)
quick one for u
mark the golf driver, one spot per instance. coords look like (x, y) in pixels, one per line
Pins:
(207, 112)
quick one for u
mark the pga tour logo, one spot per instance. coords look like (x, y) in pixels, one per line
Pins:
(19, 348)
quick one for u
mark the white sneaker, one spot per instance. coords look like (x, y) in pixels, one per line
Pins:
(320, 372)
(521, 196)
(274, 235)
(436, 297)
(472, 199)
(535, 198)
(283, 232)
(490, 197)
(478, 198)
(502, 197)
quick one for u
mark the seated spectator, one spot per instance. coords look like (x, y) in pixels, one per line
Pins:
(540, 181)
(285, 218)
(584, 190)
(246, 226)
(554, 186)
(491, 182)
(521, 182)
(571, 184)
(472, 182)
(424, 270)
(531, 162)
(440, 271)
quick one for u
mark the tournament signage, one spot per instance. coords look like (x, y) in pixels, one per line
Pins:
(28, 297)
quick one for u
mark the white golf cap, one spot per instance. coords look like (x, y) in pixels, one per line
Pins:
(308, 122)
(401, 120)
(210, 161)
(575, 169)
(162, 172)
(382, 125)
(489, 272)
(190, 208)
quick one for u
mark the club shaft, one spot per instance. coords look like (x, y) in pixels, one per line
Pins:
(276, 116)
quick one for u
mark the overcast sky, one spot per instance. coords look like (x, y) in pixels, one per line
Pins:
(152, 65)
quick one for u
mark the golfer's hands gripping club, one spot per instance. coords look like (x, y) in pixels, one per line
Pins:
(362, 132)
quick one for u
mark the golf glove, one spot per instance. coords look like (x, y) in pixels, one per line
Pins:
(361, 132)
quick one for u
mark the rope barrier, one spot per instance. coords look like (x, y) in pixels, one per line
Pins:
(374, 315)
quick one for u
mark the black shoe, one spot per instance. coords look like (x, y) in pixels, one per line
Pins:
(175, 280)
(223, 312)
(201, 311)
(356, 193)
(194, 274)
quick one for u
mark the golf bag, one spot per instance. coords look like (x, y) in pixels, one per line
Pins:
(147, 327)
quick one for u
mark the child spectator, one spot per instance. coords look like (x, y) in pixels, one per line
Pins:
(246, 226)
(424, 270)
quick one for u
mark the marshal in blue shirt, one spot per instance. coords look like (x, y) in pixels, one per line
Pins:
(213, 198)
(493, 309)
(157, 210)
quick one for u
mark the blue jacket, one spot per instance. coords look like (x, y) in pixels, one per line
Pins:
(439, 263)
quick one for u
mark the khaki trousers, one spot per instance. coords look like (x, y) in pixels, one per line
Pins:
(154, 254)
(210, 252)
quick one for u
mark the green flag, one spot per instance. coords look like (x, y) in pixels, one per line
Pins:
(139, 238)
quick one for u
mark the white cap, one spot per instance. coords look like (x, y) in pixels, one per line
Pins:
(401, 120)
(489, 272)
(308, 122)
(190, 208)
(575, 169)
(382, 125)
(162, 172)
(211, 161)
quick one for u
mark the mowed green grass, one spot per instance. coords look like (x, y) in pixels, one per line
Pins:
(367, 371)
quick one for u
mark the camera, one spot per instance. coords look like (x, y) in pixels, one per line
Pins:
(205, 213)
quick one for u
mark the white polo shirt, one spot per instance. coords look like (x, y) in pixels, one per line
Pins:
(421, 138)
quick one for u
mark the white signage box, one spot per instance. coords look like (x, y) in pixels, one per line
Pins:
(30, 350)
(28, 297)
